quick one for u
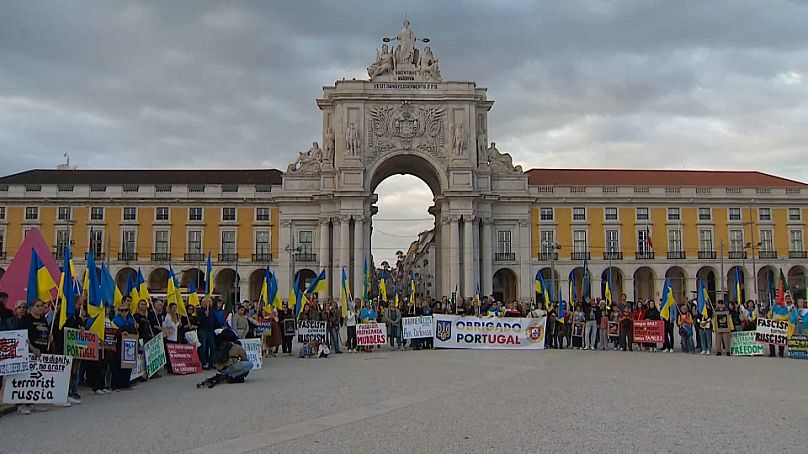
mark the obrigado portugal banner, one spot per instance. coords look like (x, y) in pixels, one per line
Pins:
(454, 331)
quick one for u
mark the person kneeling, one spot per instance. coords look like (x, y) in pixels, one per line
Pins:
(231, 361)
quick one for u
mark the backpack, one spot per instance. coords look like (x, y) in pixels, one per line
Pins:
(222, 353)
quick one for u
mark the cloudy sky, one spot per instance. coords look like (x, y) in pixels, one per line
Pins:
(650, 84)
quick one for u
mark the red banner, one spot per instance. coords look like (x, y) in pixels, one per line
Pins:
(649, 331)
(184, 359)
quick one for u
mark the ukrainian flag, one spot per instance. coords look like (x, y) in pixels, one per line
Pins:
(412, 289)
(173, 292)
(66, 290)
(193, 297)
(265, 301)
(738, 294)
(274, 293)
(668, 301)
(383, 286)
(40, 281)
(131, 290)
(607, 294)
(541, 289)
(110, 293)
(345, 294)
(95, 306)
(208, 278)
(703, 299)
(318, 285)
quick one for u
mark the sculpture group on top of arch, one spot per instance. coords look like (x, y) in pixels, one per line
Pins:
(405, 62)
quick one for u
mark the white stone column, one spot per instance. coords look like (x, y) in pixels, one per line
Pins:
(486, 242)
(454, 253)
(468, 259)
(325, 248)
(359, 254)
(525, 280)
(344, 245)
(284, 258)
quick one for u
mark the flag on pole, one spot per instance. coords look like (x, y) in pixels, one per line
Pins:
(562, 307)
(412, 289)
(383, 286)
(587, 283)
(174, 294)
(66, 289)
(668, 301)
(318, 285)
(40, 281)
(208, 278)
(193, 297)
(275, 292)
(345, 294)
(95, 306)
(738, 295)
(131, 291)
(779, 309)
(142, 288)
(110, 293)
(703, 299)
(573, 290)
(648, 237)
(541, 289)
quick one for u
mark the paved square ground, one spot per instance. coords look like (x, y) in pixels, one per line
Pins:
(446, 401)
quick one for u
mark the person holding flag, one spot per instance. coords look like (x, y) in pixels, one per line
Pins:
(704, 318)
(666, 306)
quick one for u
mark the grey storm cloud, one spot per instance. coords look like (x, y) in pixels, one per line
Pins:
(653, 84)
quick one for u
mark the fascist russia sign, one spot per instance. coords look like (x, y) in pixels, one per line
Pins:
(773, 332)
(453, 331)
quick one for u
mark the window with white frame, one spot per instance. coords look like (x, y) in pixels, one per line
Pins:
(97, 241)
(262, 242)
(794, 214)
(62, 241)
(547, 241)
(504, 241)
(642, 214)
(63, 214)
(545, 214)
(643, 245)
(195, 242)
(766, 240)
(228, 214)
(610, 213)
(262, 214)
(130, 213)
(228, 242)
(736, 240)
(31, 213)
(765, 214)
(705, 240)
(705, 214)
(161, 239)
(128, 241)
(612, 241)
(734, 214)
(674, 214)
(162, 214)
(195, 214)
(305, 240)
(795, 241)
(578, 214)
(97, 213)
(2, 213)
(579, 241)
(674, 240)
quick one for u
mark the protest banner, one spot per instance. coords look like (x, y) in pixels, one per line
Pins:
(415, 327)
(310, 330)
(453, 331)
(155, 353)
(184, 359)
(289, 327)
(614, 329)
(14, 357)
(371, 334)
(578, 329)
(743, 344)
(798, 347)
(722, 322)
(773, 332)
(140, 368)
(128, 350)
(110, 338)
(253, 349)
(81, 344)
(45, 382)
(649, 331)
(262, 328)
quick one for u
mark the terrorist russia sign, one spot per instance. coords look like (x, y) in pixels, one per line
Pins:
(453, 331)
(415, 327)
(45, 382)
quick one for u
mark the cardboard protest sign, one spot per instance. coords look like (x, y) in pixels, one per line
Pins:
(263, 328)
(649, 331)
(453, 331)
(415, 327)
(722, 322)
(14, 357)
(773, 332)
(744, 344)
(578, 329)
(140, 368)
(45, 382)
(289, 327)
(309, 330)
(110, 338)
(798, 347)
(155, 354)
(371, 334)
(184, 359)
(614, 329)
(253, 349)
(128, 350)
(81, 344)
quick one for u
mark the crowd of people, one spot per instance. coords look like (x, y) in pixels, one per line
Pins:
(588, 325)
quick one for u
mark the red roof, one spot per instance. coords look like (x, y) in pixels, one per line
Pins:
(619, 177)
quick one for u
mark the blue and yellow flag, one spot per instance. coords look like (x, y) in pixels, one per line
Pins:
(318, 285)
(298, 296)
(274, 292)
(142, 287)
(95, 306)
(173, 292)
(40, 281)
(193, 297)
(476, 295)
(668, 301)
(412, 289)
(738, 294)
(345, 294)
(208, 278)
(264, 300)
(66, 290)
(703, 299)
(131, 291)
(541, 289)
(383, 286)
(110, 293)
(607, 293)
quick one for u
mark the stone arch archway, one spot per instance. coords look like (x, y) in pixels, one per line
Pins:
(645, 283)
(766, 283)
(678, 279)
(737, 273)
(505, 285)
(192, 275)
(408, 162)
(797, 281)
(158, 279)
(256, 282)
(709, 276)
(226, 283)
(122, 277)
(306, 276)
(616, 281)
(583, 286)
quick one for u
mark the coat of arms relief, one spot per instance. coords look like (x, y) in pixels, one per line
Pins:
(406, 126)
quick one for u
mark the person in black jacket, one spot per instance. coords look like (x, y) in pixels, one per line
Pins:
(284, 314)
(206, 318)
(652, 313)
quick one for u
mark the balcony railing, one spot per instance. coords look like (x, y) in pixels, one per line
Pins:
(797, 254)
(127, 256)
(96, 256)
(307, 257)
(763, 255)
(505, 256)
(677, 255)
(707, 255)
(194, 257)
(737, 255)
(548, 255)
(644, 256)
(612, 256)
(161, 257)
(580, 256)
(228, 257)
(262, 257)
